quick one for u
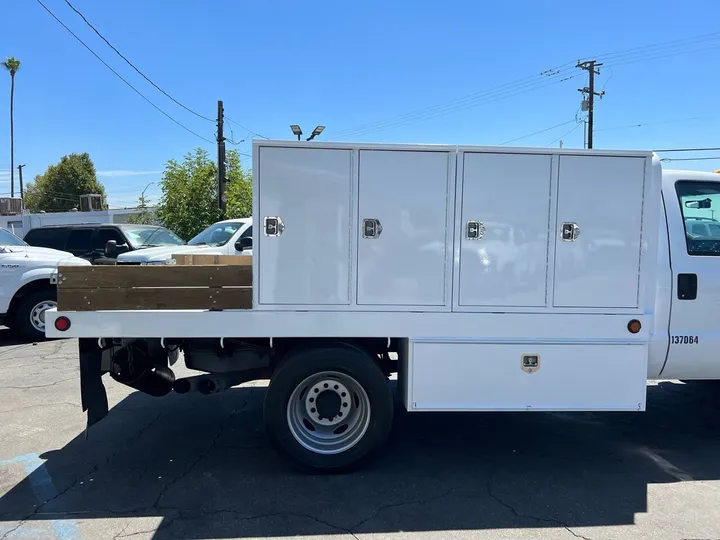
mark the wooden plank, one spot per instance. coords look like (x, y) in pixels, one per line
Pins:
(213, 298)
(75, 277)
(202, 260)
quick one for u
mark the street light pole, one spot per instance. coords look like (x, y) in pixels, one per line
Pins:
(142, 195)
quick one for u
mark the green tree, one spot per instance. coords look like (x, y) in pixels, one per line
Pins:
(238, 189)
(189, 192)
(60, 187)
(12, 64)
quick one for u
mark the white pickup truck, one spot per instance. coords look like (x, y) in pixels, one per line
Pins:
(488, 279)
(228, 237)
(27, 284)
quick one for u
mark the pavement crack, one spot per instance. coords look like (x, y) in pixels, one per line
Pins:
(54, 404)
(400, 504)
(164, 525)
(56, 350)
(37, 385)
(17, 348)
(15, 528)
(568, 529)
(92, 471)
(122, 531)
(519, 514)
(239, 516)
(199, 458)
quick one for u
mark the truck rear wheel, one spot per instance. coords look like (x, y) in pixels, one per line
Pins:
(29, 316)
(328, 408)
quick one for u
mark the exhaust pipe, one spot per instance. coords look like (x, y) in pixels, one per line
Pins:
(140, 373)
(212, 383)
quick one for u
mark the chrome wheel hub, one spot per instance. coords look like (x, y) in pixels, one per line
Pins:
(37, 314)
(328, 412)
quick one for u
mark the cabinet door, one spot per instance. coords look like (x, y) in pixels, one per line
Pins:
(304, 248)
(504, 230)
(404, 196)
(601, 198)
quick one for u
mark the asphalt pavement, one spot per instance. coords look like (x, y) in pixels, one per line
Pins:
(201, 467)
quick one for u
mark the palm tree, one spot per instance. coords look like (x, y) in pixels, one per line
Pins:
(12, 64)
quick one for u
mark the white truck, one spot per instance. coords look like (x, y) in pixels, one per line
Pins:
(27, 284)
(488, 279)
(228, 237)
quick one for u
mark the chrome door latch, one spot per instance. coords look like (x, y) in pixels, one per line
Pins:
(273, 226)
(475, 230)
(371, 228)
(569, 232)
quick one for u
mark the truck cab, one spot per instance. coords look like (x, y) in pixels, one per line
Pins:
(686, 340)
(101, 243)
(27, 284)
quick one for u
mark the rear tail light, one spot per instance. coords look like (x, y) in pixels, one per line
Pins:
(62, 324)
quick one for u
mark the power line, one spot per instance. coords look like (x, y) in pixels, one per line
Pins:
(466, 102)
(530, 83)
(471, 101)
(120, 76)
(656, 47)
(659, 56)
(133, 65)
(689, 149)
(645, 124)
(461, 101)
(538, 132)
(245, 128)
(691, 158)
(560, 138)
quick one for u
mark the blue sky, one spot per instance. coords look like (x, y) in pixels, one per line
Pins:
(348, 64)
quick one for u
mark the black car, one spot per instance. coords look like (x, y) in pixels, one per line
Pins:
(101, 243)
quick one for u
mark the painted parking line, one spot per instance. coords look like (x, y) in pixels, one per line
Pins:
(44, 490)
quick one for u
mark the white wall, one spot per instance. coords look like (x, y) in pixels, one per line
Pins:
(22, 224)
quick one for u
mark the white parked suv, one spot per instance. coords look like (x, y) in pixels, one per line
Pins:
(27, 284)
(229, 237)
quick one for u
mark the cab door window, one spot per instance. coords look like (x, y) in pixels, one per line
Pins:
(103, 236)
(700, 206)
(78, 242)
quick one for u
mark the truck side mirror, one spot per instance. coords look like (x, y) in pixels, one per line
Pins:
(244, 243)
(111, 249)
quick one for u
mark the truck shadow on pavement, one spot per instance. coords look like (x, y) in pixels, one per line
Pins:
(9, 338)
(203, 468)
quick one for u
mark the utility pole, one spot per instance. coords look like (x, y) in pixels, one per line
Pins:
(20, 167)
(591, 67)
(221, 159)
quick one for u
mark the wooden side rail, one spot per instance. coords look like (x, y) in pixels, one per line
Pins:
(213, 287)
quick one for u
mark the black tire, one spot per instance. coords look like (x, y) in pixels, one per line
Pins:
(341, 358)
(21, 318)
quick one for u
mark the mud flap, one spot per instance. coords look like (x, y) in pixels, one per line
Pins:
(92, 391)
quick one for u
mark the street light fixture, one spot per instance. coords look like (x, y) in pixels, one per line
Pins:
(317, 131)
(142, 195)
(296, 130)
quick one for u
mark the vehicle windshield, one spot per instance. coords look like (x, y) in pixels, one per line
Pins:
(217, 234)
(143, 237)
(9, 239)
